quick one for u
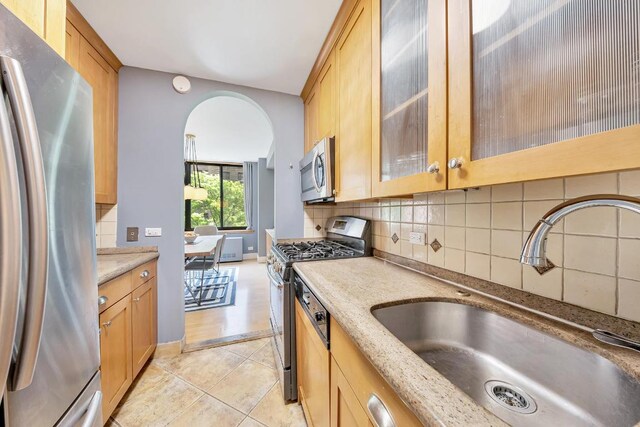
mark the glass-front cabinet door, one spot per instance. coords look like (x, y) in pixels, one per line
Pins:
(539, 89)
(409, 96)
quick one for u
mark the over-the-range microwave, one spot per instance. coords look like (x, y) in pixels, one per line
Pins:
(317, 172)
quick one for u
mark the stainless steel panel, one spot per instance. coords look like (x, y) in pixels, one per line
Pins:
(69, 349)
(10, 243)
(479, 351)
(316, 172)
(87, 409)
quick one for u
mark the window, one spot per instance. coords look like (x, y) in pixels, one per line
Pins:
(224, 206)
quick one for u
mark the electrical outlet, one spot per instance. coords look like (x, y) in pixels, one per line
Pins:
(132, 234)
(153, 232)
(417, 238)
(249, 248)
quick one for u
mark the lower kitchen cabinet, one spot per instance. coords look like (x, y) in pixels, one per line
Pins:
(128, 331)
(313, 361)
(345, 409)
(356, 382)
(115, 354)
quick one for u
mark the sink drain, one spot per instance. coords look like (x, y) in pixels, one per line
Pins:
(510, 397)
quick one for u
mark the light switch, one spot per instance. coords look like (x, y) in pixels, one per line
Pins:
(417, 238)
(153, 232)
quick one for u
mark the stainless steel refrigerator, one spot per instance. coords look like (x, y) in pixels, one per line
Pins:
(49, 343)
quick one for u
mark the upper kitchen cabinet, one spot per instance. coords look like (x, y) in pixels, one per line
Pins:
(319, 106)
(542, 89)
(46, 18)
(409, 133)
(353, 116)
(93, 59)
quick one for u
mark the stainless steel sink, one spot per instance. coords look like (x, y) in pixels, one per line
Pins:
(522, 375)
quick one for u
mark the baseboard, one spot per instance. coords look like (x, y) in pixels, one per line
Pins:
(217, 342)
(262, 259)
(170, 349)
(252, 255)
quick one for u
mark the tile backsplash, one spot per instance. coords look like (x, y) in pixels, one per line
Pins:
(482, 230)
(106, 221)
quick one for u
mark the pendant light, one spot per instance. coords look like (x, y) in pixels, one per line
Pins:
(192, 192)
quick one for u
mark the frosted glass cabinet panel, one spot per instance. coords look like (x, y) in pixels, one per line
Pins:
(545, 88)
(546, 71)
(412, 93)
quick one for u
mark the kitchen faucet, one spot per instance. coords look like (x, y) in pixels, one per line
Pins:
(534, 249)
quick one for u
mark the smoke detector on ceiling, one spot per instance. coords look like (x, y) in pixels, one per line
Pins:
(181, 84)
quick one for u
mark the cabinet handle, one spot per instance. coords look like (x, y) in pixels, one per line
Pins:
(107, 324)
(455, 163)
(379, 412)
(433, 168)
(144, 274)
(102, 300)
(136, 299)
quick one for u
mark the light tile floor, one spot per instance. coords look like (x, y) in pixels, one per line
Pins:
(233, 385)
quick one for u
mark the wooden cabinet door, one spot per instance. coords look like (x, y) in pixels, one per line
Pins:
(104, 81)
(313, 371)
(311, 120)
(353, 135)
(72, 43)
(327, 98)
(115, 354)
(46, 18)
(538, 90)
(144, 325)
(409, 124)
(346, 410)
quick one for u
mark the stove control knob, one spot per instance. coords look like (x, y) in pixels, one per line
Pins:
(320, 317)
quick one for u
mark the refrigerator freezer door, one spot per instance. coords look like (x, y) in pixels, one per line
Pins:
(87, 409)
(68, 357)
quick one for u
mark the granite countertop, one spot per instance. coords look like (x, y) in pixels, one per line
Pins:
(113, 262)
(349, 288)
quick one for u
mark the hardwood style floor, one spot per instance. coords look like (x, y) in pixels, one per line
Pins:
(232, 385)
(249, 315)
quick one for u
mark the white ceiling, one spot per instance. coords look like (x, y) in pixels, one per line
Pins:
(229, 129)
(267, 44)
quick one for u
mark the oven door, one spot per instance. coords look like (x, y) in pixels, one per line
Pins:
(279, 299)
(316, 172)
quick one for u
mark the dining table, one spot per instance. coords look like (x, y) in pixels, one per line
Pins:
(202, 247)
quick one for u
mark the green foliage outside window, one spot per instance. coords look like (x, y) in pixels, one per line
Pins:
(205, 212)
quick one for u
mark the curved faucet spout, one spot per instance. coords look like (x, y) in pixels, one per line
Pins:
(534, 249)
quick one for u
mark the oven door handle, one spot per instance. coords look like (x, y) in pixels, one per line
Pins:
(272, 275)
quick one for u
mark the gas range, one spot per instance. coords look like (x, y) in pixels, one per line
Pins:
(347, 237)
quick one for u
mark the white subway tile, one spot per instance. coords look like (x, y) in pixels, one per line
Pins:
(547, 285)
(394, 214)
(507, 272)
(420, 199)
(478, 240)
(420, 253)
(590, 254)
(454, 259)
(109, 212)
(507, 192)
(628, 297)
(629, 224)
(589, 290)
(435, 214)
(454, 215)
(108, 227)
(629, 262)
(479, 195)
(406, 249)
(405, 230)
(506, 216)
(630, 183)
(454, 197)
(420, 214)
(436, 258)
(478, 265)
(591, 184)
(108, 241)
(534, 211)
(506, 244)
(436, 198)
(478, 215)
(454, 237)
(548, 189)
(435, 232)
(406, 214)
(597, 221)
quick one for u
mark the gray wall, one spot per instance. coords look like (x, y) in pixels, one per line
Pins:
(152, 118)
(265, 203)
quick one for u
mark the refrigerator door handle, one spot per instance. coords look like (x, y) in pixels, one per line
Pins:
(10, 243)
(27, 130)
(93, 411)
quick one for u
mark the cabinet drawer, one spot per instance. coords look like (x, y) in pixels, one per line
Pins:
(143, 273)
(114, 290)
(364, 379)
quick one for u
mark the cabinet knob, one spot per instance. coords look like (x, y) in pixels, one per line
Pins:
(455, 163)
(102, 300)
(107, 324)
(136, 299)
(144, 274)
(434, 168)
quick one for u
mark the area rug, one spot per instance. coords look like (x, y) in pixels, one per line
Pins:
(215, 293)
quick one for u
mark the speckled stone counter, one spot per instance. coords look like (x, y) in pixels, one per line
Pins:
(113, 262)
(350, 288)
